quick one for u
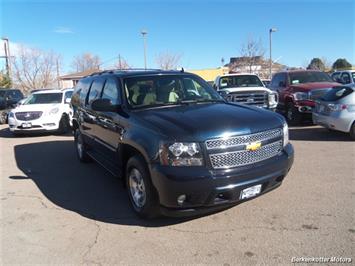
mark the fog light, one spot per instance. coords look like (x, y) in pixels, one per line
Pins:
(181, 199)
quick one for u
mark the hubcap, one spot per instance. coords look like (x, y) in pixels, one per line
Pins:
(137, 187)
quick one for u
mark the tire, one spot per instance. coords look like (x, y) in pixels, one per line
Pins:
(352, 131)
(64, 125)
(141, 192)
(293, 117)
(80, 147)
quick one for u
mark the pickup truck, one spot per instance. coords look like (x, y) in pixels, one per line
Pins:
(246, 89)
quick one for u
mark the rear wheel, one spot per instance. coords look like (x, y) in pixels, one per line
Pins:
(352, 131)
(293, 116)
(80, 147)
(141, 192)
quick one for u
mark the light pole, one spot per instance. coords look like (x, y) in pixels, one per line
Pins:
(7, 54)
(270, 32)
(144, 33)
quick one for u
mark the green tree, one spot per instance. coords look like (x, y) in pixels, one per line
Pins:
(316, 64)
(341, 63)
(5, 81)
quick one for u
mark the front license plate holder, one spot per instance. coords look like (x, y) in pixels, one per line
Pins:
(26, 125)
(250, 192)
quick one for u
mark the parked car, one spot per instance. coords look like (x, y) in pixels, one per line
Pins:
(179, 147)
(45, 110)
(298, 90)
(8, 99)
(344, 77)
(336, 110)
(246, 89)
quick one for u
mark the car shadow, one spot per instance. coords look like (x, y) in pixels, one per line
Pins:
(86, 189)
(317, 133)
(6, 133)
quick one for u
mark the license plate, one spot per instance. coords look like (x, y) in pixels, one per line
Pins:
(26, 125)
(250, 192)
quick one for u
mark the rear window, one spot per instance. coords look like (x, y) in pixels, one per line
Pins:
(337, 93)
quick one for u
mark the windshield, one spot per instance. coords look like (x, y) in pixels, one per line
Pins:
(168, 90)
(240, 81)
(309, 76)
(44, 98)
(337, 93)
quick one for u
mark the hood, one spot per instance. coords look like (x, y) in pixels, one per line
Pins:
(314, 85)
(35, 107)
(241, 89)
(199, 122)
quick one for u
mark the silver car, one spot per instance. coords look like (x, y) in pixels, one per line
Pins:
(336, 110)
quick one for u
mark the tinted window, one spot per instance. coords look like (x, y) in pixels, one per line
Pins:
(336, 76)
(95, 90)
(168, 90)
(337, 93)
(44, 98)
(276, 80)
(80, 91)
(308, 77)
(68, 95)
(240, 81)
(353, 76)
(110, 91)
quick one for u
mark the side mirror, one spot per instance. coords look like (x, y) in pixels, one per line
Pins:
(67, 100)
(104, 105)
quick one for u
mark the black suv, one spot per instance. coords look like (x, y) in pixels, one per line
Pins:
(8, 99)
(179, 147)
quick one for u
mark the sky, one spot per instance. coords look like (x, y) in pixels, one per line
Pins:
(202, 32)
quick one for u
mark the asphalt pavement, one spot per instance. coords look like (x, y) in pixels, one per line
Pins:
(55, 210)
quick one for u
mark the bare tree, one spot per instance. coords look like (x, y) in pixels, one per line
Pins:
(34, 68)
(252, 53)
(327, 63)
(168, 60)
(86, 61)
(122, 63)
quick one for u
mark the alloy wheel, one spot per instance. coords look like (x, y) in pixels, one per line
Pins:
(137, 187)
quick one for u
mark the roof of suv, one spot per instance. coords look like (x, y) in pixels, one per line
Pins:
(139, 72)
(46, 91)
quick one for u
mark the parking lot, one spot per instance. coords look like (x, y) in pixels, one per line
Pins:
(59, 211)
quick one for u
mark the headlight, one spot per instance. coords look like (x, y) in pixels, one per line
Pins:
(301, 96)
(11, 115)
(54, 111)
(273, 99)
(181, 154)
(285, 134)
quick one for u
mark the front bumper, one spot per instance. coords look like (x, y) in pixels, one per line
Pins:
(42, 124)
(336, 121)
(207, 190)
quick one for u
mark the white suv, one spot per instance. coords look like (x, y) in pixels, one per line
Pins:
(46, 110)
(246, 89)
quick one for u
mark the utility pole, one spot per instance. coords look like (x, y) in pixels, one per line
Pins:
(270, 32)
(144, 33)
(119, 61)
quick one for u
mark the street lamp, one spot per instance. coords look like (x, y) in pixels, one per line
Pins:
(144, 33)
(271, 31)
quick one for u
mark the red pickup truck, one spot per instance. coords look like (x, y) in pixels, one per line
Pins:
(298, 90)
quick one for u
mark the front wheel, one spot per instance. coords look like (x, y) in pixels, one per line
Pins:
(293, 116)
(352, 131)
(141, 192)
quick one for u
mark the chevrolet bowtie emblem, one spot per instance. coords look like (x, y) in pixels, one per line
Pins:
(253, 146)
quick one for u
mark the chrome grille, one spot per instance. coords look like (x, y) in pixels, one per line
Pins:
(255, 98)
(28, 116)
(244, 139)
(318, 93)
(244, 157)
